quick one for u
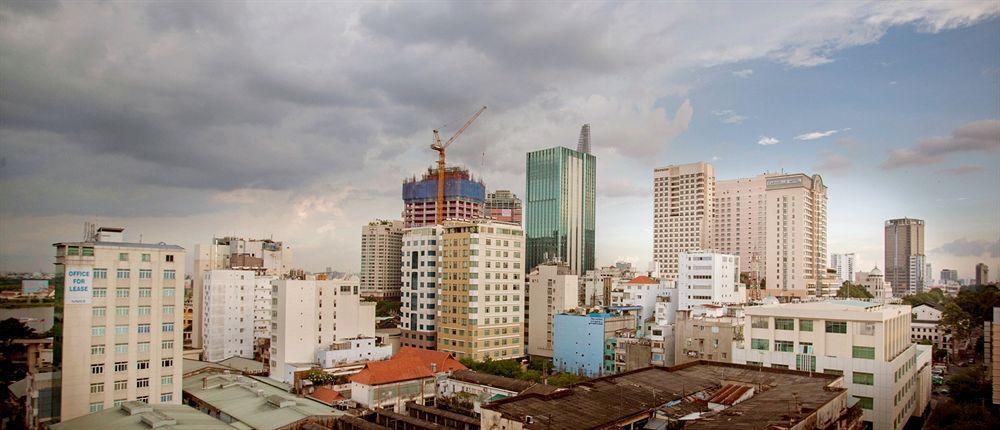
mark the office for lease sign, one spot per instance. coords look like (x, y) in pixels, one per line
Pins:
(79, 285)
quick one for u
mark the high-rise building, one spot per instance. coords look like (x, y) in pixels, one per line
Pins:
(583, 144)
(683, 212)
(867, 343)
(707, 278)
(845, 265)
(928, 274)
(796, 235)
(503, 205)
(739, 223)
(949, 275)
(904, 237)
(420, 270)
(310, 316)
(561, 194)
(117, 338)
(481, 290)
(228, 312)
(551, 290)
(262, 256)
(381, 248)
(982, 274)
(916, 274)
(463, 197)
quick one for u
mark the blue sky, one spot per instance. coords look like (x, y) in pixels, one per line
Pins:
(181, 121)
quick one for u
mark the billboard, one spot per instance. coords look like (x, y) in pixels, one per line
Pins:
(79, 282)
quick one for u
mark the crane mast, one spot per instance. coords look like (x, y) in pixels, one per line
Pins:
(440, 148)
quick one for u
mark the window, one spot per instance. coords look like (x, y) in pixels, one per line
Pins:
(168, 292)
(121, 366)
(166, 397)
(142, 364)
(97, 350)
(88, 251)
(122, 256)
(169, 258)
(96, 407)
(806, 363)
(761, 344)
(72, 250)
(168, 310)
(168, 327)
(836, 326)
(97, 369)
(167, 362)
(123, 273)
(144, 310)
(142, 383)
(863, 352)
(118, 402)
(784, 346)
(100, 273)
(97, 331)
(784, 324)
(863, 378)
(121, 311)
(121, 348)
(100, 292)
(833, 372)
(121, 293)
(866, 402)
(145, 257)
(167, 380)
(145, 274)
(98, 311)
(806, 347)
(143, 347)
(169, 274)
(866, 329)
(167, 344)
(121, 329)
(144, 399)
(805, 325)
(121, 385)
(759, 322)
(97, 387)
(143, 328)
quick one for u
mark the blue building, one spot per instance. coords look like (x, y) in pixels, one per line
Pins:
(579, 342)
(464, 197)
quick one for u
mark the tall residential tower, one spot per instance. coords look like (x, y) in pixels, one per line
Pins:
(683, 197)
(381, 244)
(796, 236)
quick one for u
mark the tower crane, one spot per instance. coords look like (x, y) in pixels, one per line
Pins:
(440, 148)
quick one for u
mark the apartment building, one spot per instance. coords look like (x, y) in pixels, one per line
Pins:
(904, 238)
(868, 343)
(561, 198)
(381, 247)
(845, 265)
(683, 212)
(596, 285)
(707, 334)
(118, 323)
(551, 289)
(708, 278)
(739, 226)
(309, 316)
(640, 295)
(229, 298)
(582, 342)
(262, 256)
(796, 236)
(419, 278)
(262, 307)
(481, 290)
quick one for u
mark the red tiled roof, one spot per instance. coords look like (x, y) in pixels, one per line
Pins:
(643, 280)
(325, 395)
(409, 363)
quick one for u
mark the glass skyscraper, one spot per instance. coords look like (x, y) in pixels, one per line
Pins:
(559, 201)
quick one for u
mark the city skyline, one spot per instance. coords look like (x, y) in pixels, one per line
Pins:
(875, 98)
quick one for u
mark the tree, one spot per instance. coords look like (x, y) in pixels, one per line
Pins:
(935, 297)
(11, 329)
(565, 379)
(853, 291)
(969, 385)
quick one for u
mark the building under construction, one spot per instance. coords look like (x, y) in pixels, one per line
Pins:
(463, 197)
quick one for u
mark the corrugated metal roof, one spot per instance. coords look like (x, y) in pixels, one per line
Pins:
(183, 418)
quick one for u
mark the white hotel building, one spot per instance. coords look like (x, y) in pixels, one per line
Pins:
(419, 286)
(868, 343)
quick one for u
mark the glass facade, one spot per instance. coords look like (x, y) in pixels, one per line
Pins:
(559, 200)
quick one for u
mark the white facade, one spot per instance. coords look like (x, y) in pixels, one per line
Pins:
(228, 314)
(796, 235)
(739, 227)
(926, 326)
(916, 280)
(308, 316)
(874, 282)
(352, 351)
(845, 265)
(709, 278)
(380, 258)
(552, 289)
(262, 307)
(643, 291)
(683, 198)
(868, 343)
(596, 285)
(419, 286)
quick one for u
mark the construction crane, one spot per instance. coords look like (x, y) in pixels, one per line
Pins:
(440, 148)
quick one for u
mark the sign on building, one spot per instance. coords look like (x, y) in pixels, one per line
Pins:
(79, 282)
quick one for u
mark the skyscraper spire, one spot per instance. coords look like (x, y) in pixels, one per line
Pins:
(584, 143)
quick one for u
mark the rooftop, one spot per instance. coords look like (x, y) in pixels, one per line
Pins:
(140, 416)
(501, 382)
(854, 310)
(243, 364)
(605, 401)
(253, 401)
(103, 244)
(408, 364)
(643, 279)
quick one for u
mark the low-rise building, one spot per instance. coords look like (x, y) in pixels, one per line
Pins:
(641, 292)
(696, 396)
(925, 327)
(551, 290)
(582, 340)
(136, 415)
(482, 388)
(410, 375)
(705, 278)
(874, 282)
(707, 333)
(353, 350)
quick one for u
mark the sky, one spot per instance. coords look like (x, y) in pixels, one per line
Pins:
(181, 121)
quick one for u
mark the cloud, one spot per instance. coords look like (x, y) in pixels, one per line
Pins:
(729, 117)
(970, 248)
(744, 73)
(813, 135)
(834, 164)
(978, 136)
(964, 169)
(764, 140)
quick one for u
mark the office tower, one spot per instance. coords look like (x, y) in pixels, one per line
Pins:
(262, 256)
(310, 316)
(503, 205)
(561, 193)
(117, 338)
(481, 290)
(381, 247)
(949, 275)
(845, 265)
(463, 197)
(551, 290)
(866, 342)
(420, 270)
(916, 274)
(229, 299)
(739, 210)
(796, 235)
(982, 274)
(707, 278)
(683, 218)
(904, 237)
(583, 144)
